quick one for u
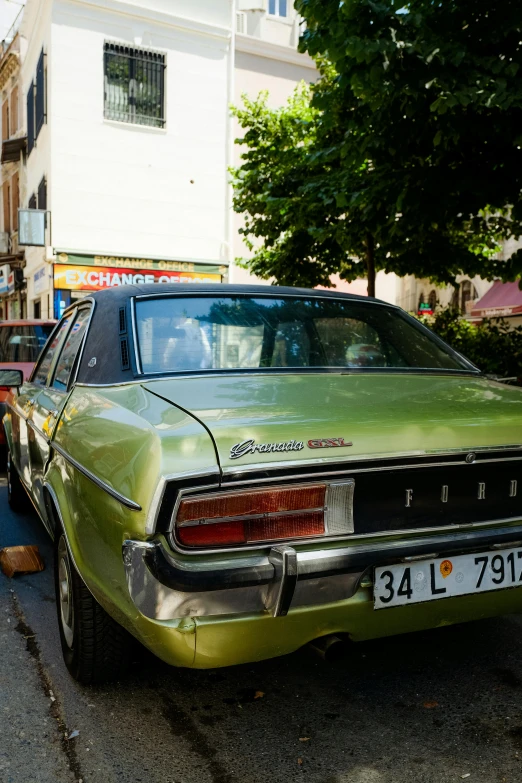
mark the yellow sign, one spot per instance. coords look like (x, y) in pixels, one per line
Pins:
(71, 277)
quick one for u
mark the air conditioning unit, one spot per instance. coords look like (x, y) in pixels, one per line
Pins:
(241, 22)
(251, 5)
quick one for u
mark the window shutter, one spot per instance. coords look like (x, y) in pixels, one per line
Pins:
(30, 119)
(14, 110)
(5, 120)
(7, 207)
(32, 202)
(42, 194)
(40, 95)
(15, 199)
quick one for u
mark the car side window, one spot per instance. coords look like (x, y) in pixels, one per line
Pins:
(44, 365)
(70, 349)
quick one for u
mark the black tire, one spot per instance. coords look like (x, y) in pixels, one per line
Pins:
(16, 494)
(95, 648)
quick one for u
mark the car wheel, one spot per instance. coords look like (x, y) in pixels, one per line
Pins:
(95, 648)
(16, 494)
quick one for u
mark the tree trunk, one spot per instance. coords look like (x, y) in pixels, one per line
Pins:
(370, 264)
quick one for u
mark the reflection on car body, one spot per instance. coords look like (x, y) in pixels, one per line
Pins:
(20, 344)
(226, 471)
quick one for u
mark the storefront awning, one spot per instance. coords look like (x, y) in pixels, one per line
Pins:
(502, 300)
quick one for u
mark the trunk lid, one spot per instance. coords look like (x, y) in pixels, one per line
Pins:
(381, 415)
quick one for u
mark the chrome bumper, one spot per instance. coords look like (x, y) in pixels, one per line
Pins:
(164, 586)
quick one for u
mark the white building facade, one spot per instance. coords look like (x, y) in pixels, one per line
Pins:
(127, 143)
(130, 138)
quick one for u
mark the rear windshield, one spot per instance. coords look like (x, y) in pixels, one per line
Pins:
(23, 343)
(179, 334)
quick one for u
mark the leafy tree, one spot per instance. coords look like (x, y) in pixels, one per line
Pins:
(406, 154)
(493, 345)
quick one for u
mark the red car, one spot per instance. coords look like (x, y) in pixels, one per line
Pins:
(20, 345)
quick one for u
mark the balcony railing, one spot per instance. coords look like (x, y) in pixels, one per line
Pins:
(11, 33)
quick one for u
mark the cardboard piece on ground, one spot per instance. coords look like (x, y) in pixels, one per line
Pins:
(20, 560)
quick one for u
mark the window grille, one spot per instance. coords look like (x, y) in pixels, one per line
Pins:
(134, 85)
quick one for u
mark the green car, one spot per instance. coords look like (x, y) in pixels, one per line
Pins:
(231, 472)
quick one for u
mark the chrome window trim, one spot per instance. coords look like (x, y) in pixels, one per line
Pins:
(137, 358)
(319, 370)
(365, 301)
(256, 372)
(53, 360)
(78, 360)
(131, 504)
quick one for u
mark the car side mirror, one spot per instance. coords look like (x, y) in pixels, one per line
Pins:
(10, 378)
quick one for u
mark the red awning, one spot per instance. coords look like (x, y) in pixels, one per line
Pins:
(502, 299)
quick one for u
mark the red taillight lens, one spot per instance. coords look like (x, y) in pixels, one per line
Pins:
(250, 516)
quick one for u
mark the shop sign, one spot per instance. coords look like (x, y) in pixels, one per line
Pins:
(95, 278)
(5, 271)
(40, 280)
(11, 282)
(425, 309)
(126, 264)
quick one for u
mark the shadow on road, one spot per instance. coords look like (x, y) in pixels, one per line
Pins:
(432, 706)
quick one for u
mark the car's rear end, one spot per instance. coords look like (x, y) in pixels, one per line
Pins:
(363, 473)
(20, 344)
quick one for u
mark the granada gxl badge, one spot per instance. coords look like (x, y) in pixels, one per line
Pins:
(328, 443)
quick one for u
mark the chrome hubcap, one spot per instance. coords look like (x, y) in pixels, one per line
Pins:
(65, 592)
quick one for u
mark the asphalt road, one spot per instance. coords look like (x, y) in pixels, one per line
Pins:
(424, 708)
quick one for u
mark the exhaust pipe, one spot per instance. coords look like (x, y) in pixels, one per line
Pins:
(330, 648)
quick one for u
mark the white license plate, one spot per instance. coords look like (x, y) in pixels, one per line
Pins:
(429, 580)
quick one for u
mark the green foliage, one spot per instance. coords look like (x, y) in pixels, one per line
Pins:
(405, 156)
(491, 345)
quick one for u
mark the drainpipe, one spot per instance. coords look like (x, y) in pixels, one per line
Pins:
(229, 229)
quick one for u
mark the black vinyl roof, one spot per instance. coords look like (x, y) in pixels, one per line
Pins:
(104, 337)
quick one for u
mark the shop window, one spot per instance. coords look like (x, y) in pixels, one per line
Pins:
(134, 85)
(37, 309)
(278, 7)
(30, 119)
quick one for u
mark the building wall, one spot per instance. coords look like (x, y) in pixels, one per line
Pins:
(130, 189)
(278, 70)
(122, 189)
(37, 31)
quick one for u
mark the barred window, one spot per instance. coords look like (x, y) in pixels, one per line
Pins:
(134, 85)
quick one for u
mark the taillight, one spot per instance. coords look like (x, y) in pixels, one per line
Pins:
(271, 514)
